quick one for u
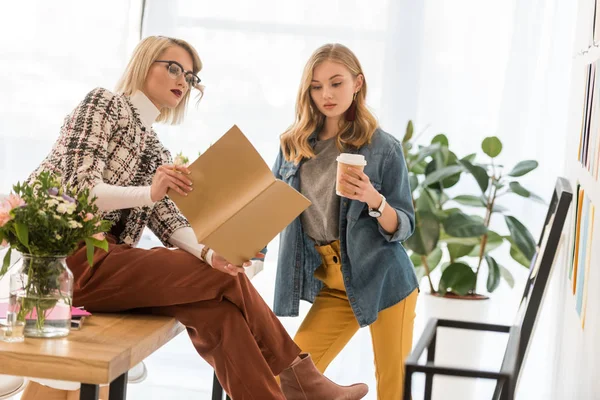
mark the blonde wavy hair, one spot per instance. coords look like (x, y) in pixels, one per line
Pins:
(144, 55)
(355, 134)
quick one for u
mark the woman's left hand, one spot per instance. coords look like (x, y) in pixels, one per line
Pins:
(358, 186)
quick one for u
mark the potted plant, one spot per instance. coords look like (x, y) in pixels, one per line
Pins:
(46, 222)
(447, 235)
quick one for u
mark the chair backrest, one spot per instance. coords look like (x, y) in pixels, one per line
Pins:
(541, 266)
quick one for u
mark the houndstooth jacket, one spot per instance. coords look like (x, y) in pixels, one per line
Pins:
(104, 140)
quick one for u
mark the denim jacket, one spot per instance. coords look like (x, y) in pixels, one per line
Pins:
(376, 268)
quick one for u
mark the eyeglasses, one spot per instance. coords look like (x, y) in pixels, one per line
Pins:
(175, 70)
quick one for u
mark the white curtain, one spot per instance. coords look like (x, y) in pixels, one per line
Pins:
(51, 55)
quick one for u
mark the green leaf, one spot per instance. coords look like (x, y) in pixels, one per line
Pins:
(462, 225)
(22, 233)
(444, 214)
(5, 263)
(470, 158)
(468, 200)
(409, 132)
(493, 242)
(458, 278)
(508, 277)
(498, 208)
(492, 146)
(419, 168)
(458, 250)
(442, 174)
(426, 235)
(416, 259)
(523, 167)
(445, 265)
(521, 236)
(441, 139)
(89, 247)
(470, 241)
(518, 256)
(517, 188)
(414, 182)
(433, 259)
(101, 244)
(493, 279)
(479, 173)
(425, 202)
(426, 151)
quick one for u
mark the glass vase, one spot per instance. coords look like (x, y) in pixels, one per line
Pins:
(41, 294)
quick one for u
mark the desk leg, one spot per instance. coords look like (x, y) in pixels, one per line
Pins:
(89, 392)
(118, 388)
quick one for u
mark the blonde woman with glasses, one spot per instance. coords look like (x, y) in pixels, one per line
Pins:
(107, 144)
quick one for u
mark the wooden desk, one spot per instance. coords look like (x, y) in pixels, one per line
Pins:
(101, 352)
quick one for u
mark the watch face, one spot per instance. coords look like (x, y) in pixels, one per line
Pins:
(375, 213)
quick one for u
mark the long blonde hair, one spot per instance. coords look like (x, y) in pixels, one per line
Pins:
(355, 134)
(144, 55)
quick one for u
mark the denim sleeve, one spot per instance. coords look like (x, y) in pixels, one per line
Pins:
(275, 169)
(277, 165)
(264, 251)
(396, 189)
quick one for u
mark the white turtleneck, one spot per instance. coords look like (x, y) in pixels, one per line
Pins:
(111, 197)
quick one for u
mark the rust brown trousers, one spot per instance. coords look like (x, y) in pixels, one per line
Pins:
(229, 323)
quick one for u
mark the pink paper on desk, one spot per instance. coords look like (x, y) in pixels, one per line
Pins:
(75, 312)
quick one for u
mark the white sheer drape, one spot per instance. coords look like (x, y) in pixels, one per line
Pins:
(51, 55)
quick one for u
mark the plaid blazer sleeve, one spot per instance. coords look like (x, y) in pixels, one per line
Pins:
(85, 135)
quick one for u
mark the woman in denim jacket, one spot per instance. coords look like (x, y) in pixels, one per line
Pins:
(344, 253)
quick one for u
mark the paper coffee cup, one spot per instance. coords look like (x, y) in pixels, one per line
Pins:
(344, 161)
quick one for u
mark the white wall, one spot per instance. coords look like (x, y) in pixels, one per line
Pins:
(577, 371)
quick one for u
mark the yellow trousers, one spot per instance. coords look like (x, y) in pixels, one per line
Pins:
(330, 324)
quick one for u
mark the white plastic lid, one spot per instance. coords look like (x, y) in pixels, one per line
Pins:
(352, 159)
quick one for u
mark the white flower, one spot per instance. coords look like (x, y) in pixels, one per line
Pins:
(75, 224)
(57, 217)
(57, 236)
(66, 208)
(51, 203)
(42, 213)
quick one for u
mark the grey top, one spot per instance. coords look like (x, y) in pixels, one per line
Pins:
(321, 221)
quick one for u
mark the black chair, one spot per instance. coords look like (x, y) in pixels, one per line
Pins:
(520, 332)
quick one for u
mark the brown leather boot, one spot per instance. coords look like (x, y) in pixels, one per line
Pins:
(302, 381)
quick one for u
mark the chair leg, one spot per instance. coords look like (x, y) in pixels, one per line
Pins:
(407, 384)
(429, 377)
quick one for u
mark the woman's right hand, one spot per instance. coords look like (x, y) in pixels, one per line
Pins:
(170, 176)
(221, 264)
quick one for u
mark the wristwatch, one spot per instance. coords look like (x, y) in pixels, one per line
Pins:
(377, 212)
